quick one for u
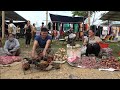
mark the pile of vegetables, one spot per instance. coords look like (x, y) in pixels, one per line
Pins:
(91, 62)
(110, 62)
(4, 60)
(60, 55)
(88, 62)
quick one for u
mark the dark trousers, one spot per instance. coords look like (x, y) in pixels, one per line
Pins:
(93, 49)
(15, 53)
(28, 38)
(17, 35)
(33, 36)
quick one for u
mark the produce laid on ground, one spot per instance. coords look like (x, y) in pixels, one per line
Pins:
(4, 60)
(60, 55)
(106, 52)
(110, 62)
(48, 62)
(93, 62)
(88, 62)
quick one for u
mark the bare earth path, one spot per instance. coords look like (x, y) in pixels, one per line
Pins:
(15, 72)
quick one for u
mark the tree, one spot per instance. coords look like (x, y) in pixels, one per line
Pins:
(81, 13)
(85, 14)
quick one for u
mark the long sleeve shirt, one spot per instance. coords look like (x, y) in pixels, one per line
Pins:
(13, 45)
(12, 28)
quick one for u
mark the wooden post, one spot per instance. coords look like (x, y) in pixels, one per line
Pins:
(83, 25)
(55, 25)
(83, 30)
(46, 17)
(3, 24)
(108, 27)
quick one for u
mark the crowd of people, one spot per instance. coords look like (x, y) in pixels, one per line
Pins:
(43, 40)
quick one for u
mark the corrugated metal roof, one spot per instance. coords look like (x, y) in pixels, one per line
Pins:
(111, 15)
(13, 15)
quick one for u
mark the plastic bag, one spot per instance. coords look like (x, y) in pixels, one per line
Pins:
(72, 35)
(83, 49)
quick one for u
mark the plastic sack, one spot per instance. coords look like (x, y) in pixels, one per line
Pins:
(74, 59)
(83, 49)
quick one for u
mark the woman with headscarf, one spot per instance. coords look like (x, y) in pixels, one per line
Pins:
(92, 43)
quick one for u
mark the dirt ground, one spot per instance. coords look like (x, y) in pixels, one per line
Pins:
(16, 72)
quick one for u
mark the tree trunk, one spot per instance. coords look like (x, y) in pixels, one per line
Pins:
(89, 19)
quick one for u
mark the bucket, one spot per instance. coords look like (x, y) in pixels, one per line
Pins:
(104, 45)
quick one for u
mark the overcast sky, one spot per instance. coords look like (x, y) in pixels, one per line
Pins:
(40, 16)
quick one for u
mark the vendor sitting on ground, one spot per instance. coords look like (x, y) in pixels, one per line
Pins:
(92, 44)
(41, 42)
(12, 46)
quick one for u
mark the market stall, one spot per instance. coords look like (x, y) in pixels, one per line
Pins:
(66, 23)
(112, 16)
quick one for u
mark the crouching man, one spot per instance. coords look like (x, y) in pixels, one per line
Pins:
(12, 46)
(42, 43)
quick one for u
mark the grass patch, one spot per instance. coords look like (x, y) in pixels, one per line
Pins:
(60, 44)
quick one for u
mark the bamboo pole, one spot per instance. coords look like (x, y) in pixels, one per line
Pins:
(3, 24)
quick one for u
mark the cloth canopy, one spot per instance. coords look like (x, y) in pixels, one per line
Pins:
(66, 19)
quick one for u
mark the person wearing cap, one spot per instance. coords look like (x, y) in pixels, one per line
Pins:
(92, 43)
(41, 42)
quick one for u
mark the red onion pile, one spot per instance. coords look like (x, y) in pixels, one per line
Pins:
(9, 59)
(110, 62)
(88, 62)
(91, 62)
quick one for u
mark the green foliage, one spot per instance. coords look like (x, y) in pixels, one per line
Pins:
(82, 13)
